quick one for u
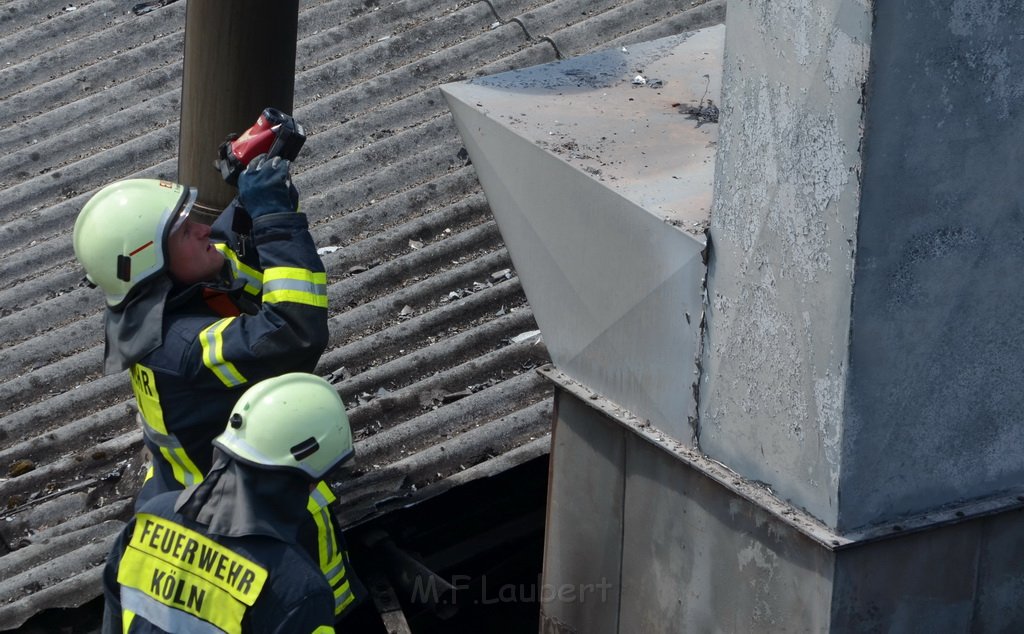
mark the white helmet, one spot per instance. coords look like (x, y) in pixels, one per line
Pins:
(295, 421)
(120, 236)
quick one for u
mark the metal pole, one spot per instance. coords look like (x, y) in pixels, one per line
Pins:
(239, 59)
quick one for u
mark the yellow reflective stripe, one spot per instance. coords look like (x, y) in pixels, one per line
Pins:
(322, 495)
(330, 559)
(335, 574)
(337, 578)
(324, 629)
(179, 575)
(295, 285)
(151, 411)
(168, 618)
(147, 397)
(127, 616)
(184, 470)
(320, 499)
(342, 597)
(212, 341)
(325, 536)
(156, 538)
(338, 609)
(253, 278)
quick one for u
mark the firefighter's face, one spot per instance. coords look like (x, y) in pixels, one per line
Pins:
(191, 256)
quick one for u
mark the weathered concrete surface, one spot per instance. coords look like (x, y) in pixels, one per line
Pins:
(935, 389)
(862, 354)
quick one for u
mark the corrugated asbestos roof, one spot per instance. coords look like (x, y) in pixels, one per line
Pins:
(427, 315)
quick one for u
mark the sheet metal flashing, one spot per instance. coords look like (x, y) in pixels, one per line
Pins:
(623, 116)
(762, 496)
(599, 171)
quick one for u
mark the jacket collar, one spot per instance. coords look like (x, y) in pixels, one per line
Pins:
(236, 500)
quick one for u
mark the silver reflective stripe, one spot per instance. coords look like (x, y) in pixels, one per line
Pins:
(336, 570)
(327, 525)
(342, 600)
(332, 546)
(173, 454)
(164, 616)
(253, 283)
(291, 284)
(240, 447)
(318, 497)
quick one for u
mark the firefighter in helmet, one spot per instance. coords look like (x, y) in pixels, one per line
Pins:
(198, 313)
(222, 555)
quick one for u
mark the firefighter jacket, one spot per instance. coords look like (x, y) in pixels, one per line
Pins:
(218, 557)
(204, 345)
(266, 316)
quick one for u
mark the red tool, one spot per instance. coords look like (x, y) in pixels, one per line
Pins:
(274, 134)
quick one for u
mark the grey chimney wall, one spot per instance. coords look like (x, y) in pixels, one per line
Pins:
(863, 349)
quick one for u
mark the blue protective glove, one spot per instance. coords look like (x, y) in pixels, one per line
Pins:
(265, 187)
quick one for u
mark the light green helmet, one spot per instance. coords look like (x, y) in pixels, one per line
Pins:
(120, 235)
(295, 421)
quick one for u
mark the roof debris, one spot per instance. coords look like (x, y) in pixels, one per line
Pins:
(21, 467)
(497, 276)
(143, 8)
(532, 336)
(702, 113)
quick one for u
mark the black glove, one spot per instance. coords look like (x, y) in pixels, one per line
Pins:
(265, 187)
(228, 166)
